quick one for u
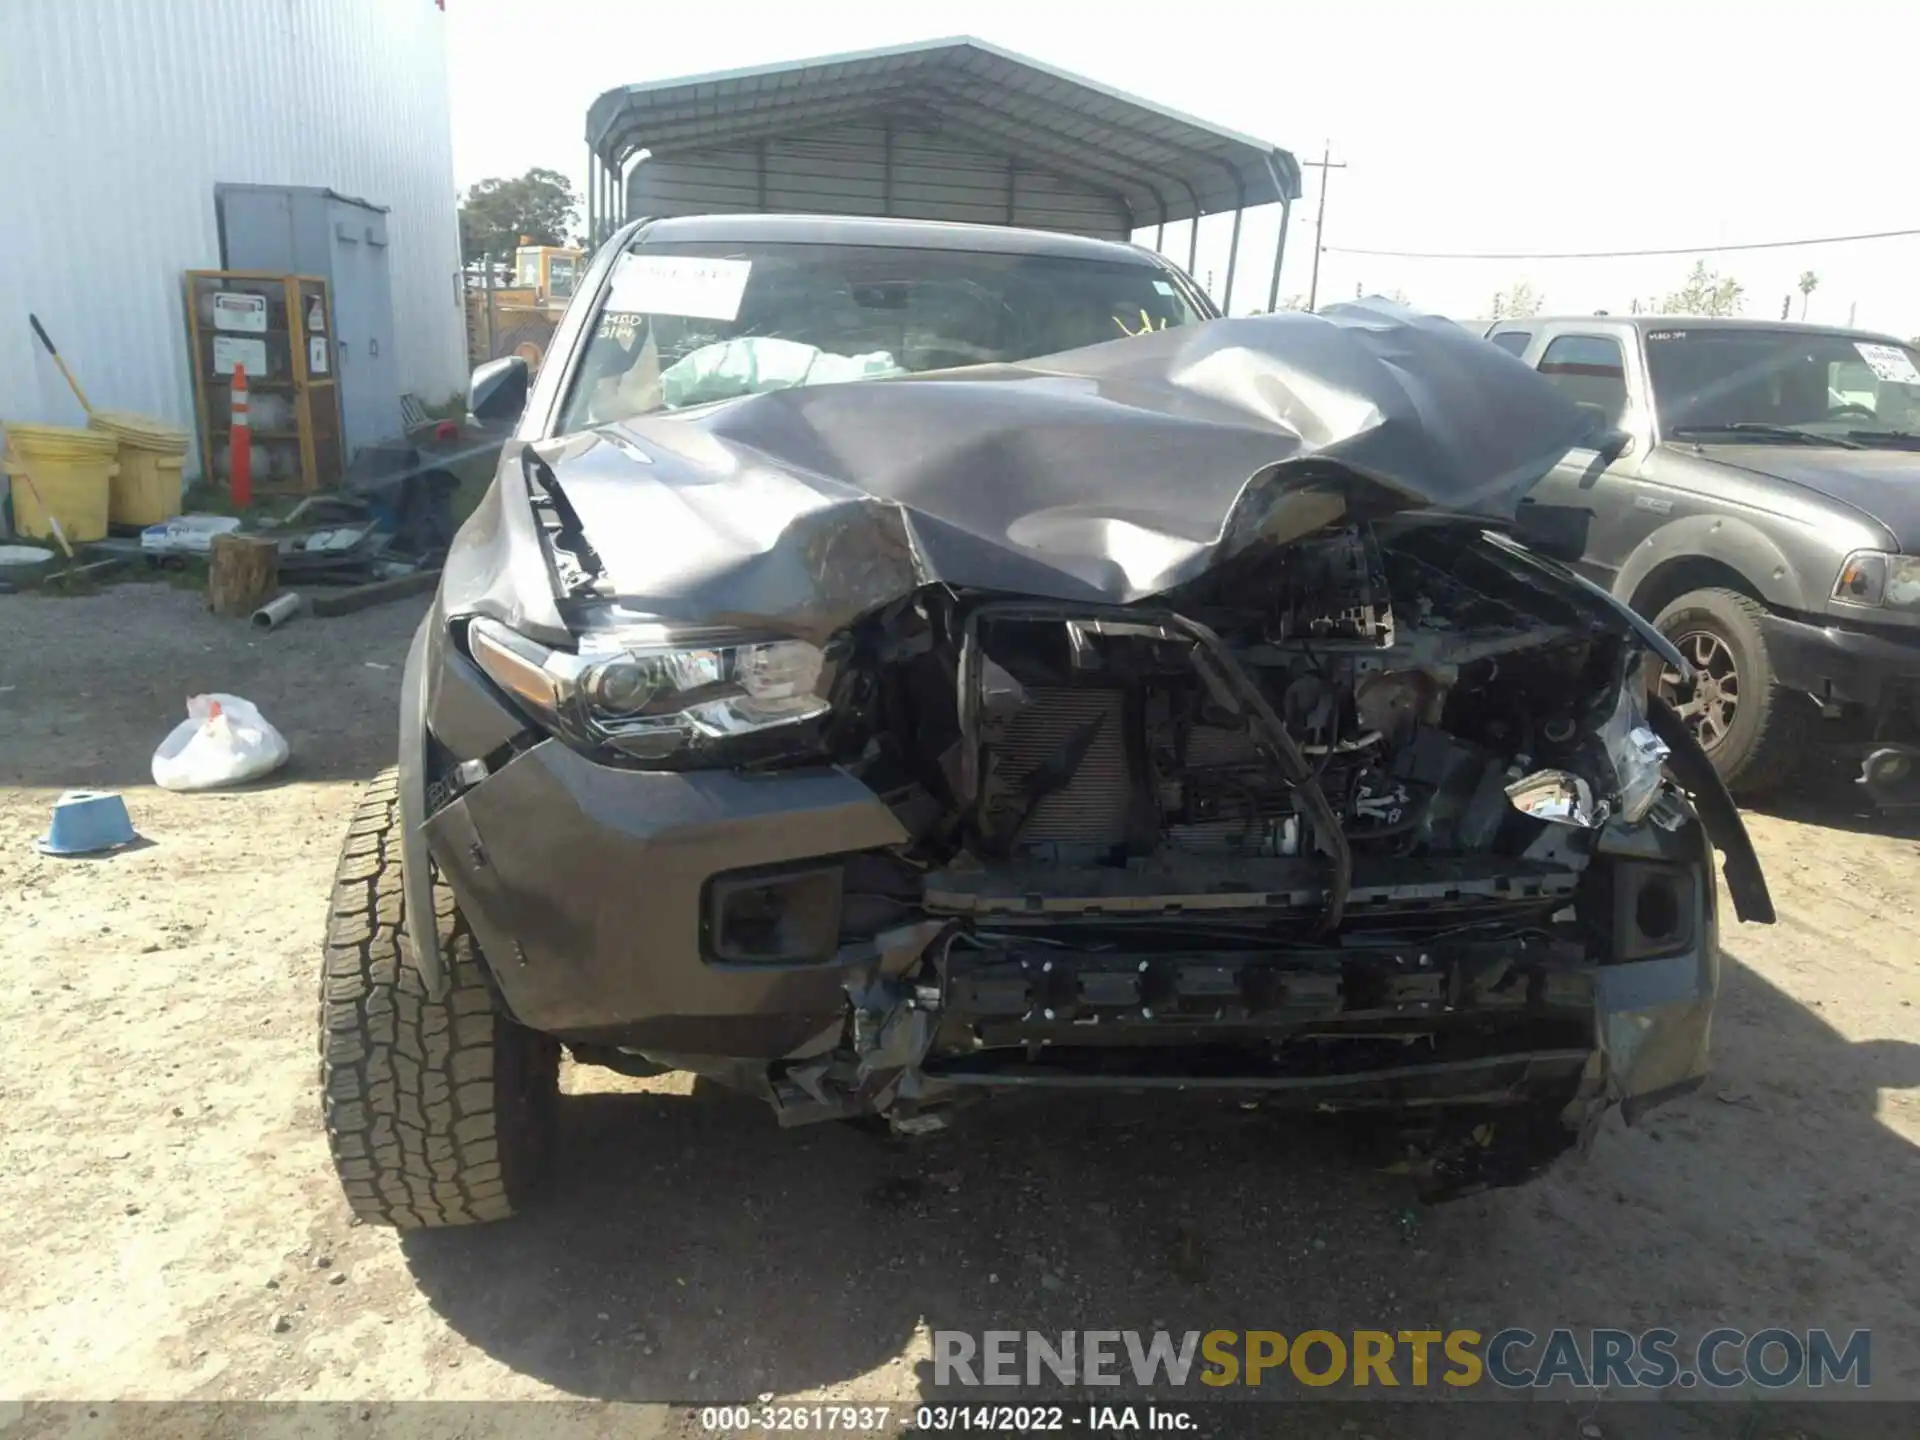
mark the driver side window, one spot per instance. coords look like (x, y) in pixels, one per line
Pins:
(1591, 371)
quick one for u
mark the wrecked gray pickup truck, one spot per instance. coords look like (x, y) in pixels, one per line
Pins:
(1180, 711)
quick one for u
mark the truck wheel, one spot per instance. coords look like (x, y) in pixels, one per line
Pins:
(1753, 729)
(438, 1112)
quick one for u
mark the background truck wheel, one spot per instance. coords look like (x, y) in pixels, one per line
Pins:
(438, 1112)
(1753, 729)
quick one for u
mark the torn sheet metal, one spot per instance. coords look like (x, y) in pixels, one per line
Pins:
(1106, 475)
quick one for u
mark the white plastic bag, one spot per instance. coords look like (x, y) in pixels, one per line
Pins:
(223, 741)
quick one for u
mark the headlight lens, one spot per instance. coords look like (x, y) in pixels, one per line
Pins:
(653, 699)
(1638, 756)
(1875, 578)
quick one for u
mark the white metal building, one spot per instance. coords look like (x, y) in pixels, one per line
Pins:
(119, 117)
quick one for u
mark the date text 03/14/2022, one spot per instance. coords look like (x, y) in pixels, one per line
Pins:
(1007, 1419)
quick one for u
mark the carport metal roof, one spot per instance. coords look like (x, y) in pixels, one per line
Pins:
(1160, 165)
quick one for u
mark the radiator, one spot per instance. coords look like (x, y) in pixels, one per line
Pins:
(1093, 807)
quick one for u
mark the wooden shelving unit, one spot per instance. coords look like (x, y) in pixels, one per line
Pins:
(283, 325)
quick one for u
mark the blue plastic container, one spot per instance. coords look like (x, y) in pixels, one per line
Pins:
(87, 822)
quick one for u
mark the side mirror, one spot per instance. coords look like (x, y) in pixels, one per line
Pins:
(1610, 442)
(498, 389)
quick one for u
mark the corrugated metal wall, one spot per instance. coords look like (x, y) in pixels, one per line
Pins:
(845, 170)
(118, 118)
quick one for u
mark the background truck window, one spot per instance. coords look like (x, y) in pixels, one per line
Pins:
(1589, 370)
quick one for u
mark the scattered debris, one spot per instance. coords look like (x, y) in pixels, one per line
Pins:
(277, 611)
(85, 574)
(377, 592)
(282, 1324)
(87, 822)
(223, 741)
(25, 563)
(187, 534)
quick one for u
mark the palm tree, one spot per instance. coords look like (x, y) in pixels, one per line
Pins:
(1809, 282)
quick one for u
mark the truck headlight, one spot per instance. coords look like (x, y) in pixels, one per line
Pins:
(1638, 756)
(656, 696)
(1875, 578)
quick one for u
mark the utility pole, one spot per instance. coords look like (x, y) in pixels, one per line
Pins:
(1326, 164)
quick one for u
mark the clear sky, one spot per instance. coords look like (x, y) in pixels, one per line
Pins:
(1551, 126)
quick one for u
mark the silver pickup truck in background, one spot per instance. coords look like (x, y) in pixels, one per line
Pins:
(1753, 487)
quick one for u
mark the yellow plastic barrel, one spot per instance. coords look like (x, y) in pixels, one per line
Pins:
(59, 473)
(151, 455)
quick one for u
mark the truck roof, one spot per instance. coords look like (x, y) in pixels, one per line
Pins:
(874, 230)
(1690, 322)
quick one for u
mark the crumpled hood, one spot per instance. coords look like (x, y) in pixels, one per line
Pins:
(1103, 475)
(1881, 484)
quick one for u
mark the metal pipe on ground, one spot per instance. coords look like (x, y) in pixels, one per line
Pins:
(279, 610)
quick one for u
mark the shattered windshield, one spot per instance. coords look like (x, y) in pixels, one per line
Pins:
(689, 324)
(1741, 383)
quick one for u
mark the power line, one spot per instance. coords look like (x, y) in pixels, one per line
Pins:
(1614, 254)
(1327, 165)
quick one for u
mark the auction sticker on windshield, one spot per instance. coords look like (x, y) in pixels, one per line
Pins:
(1890, 363)
(689, 285)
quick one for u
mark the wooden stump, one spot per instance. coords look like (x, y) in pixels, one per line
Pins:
(243, 574)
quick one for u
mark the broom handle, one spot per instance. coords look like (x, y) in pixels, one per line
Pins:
(72, 384)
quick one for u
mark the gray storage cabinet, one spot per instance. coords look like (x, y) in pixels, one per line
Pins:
(297, 230)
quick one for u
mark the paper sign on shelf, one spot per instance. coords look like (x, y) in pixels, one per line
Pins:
(316, 315)
(689, 285)
(317, 355)
(229, 350)
(1890, 363)
(234, 311)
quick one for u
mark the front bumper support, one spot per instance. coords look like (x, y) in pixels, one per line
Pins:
(1838, 665)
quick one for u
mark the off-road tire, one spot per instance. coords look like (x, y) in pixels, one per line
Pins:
(438, 1112)
(1772, 725)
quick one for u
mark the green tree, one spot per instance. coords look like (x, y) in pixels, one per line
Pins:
(1809, 282)
(1517, 301)
(540, 205)
(1706, 292)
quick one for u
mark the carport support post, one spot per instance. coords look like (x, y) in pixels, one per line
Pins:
(1233, 260)
(1279, 256)
(486, 267)
(592, 202)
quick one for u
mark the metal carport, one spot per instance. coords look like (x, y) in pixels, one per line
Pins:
(942, 130)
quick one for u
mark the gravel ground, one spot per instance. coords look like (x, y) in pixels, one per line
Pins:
(170, 1227)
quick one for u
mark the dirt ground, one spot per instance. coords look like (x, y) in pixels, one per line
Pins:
(170, 1226)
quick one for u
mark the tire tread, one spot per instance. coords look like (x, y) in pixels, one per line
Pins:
(426, 1113)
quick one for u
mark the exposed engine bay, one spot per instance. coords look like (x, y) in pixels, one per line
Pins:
(1301, 708)
(1325, 816)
